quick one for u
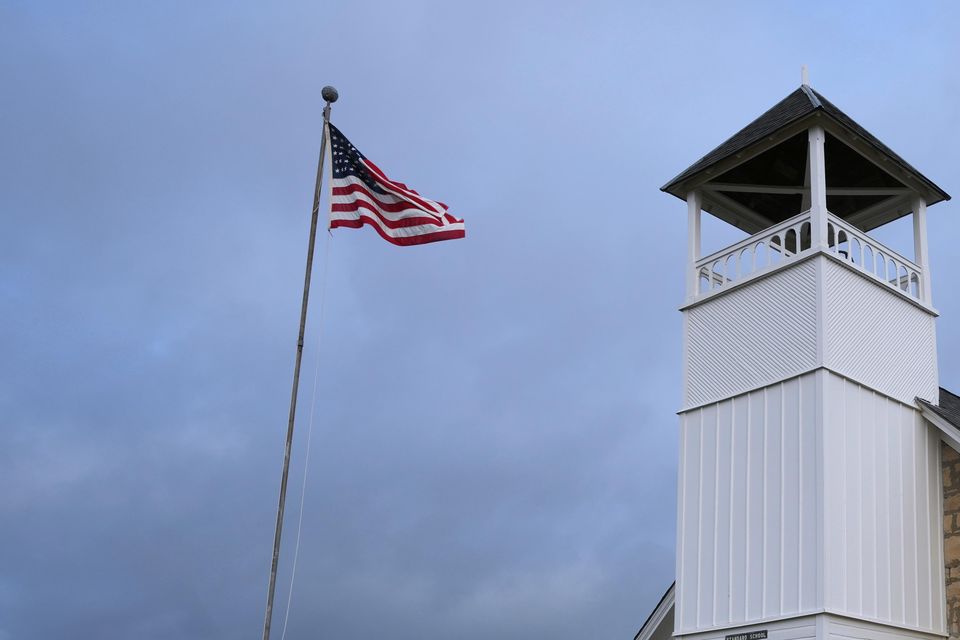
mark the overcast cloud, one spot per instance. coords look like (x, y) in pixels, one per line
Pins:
(494, 447)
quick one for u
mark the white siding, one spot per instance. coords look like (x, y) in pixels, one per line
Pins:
(823, 626)
(747, 531)
(778, 327)
(804, 628)
(836, 628)
(882, 509)
(875, 336)
(807, 480)
(752, 336)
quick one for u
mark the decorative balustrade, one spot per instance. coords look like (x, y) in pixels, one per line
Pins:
(871, 257)
(785, 241)
(770, 247)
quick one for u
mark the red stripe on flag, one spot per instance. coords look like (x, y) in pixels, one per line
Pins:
(395, 186)
(424, 238)
(391, 207)
(411, 221)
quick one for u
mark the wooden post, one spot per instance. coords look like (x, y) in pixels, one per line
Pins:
(694, 202)
(920, 255)
(818, 188)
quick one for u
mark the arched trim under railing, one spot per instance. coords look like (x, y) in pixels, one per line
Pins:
(785, 241)
(869, 256)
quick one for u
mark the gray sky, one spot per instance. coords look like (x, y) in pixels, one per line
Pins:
(494, 443)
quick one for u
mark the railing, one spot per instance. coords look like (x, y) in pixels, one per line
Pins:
(770, 247)
(869, 256)
(784, 241)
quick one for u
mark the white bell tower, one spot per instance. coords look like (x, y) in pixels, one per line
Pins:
(809, 497)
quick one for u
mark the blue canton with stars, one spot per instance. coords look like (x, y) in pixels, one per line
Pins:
(346, 161)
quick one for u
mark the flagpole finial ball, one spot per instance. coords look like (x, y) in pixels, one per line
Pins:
(329, 94)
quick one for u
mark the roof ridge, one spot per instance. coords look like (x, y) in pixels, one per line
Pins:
(814, 100)
(797, 105)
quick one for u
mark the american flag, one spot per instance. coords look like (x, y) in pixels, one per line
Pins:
(362, 194)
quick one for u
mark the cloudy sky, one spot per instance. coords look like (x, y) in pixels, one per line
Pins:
(494, 439)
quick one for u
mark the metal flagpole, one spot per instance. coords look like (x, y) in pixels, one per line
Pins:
(330, 95)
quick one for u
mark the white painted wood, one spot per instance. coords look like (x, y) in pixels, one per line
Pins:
(867, 191)
(803, 628)
(869, 151)
(840, 231)
(818, 186)
(810, 492)
(880, 213)
(752, 336)
(920, 254)
(948, 433)
(737, 214)
(821, 626)
(752, 525)
(790, 190)
(881, 480)
(838, 627)
(777, 231)
(693, 241)
(875, 336)
(770, 329)
(767, 250)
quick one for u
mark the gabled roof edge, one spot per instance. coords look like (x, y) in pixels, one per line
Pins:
(945, 415)
(759, 128)
(659, 611)
(795, 106)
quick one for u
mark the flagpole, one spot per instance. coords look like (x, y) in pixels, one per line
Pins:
(330, 96)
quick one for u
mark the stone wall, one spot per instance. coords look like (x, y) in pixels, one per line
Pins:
(951, 536)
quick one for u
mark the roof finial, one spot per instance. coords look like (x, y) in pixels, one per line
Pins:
(804, 76)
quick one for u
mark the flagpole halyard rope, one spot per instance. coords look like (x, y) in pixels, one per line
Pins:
(330, 96)
(313, 404)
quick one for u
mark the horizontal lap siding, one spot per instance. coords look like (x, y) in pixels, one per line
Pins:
(747, 531)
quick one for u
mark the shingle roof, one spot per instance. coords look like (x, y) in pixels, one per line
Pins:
(947, 407)
(790, 109)
(801, 103)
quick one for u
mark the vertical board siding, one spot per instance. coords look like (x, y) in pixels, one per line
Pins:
(772, 501)
(749, 507)
(790, 505)
(810, 471)
(881, 489)
(739, 461)
(688, 551)
(752, 336)
(755, 512)
(897, 357)
(708, 515)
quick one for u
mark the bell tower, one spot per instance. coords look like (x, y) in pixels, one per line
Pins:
(810, 494)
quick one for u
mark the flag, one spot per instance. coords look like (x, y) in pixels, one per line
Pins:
(362, 194)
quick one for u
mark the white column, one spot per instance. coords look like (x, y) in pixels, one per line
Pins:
(818, 188)
(694, 201)
(920, 255)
